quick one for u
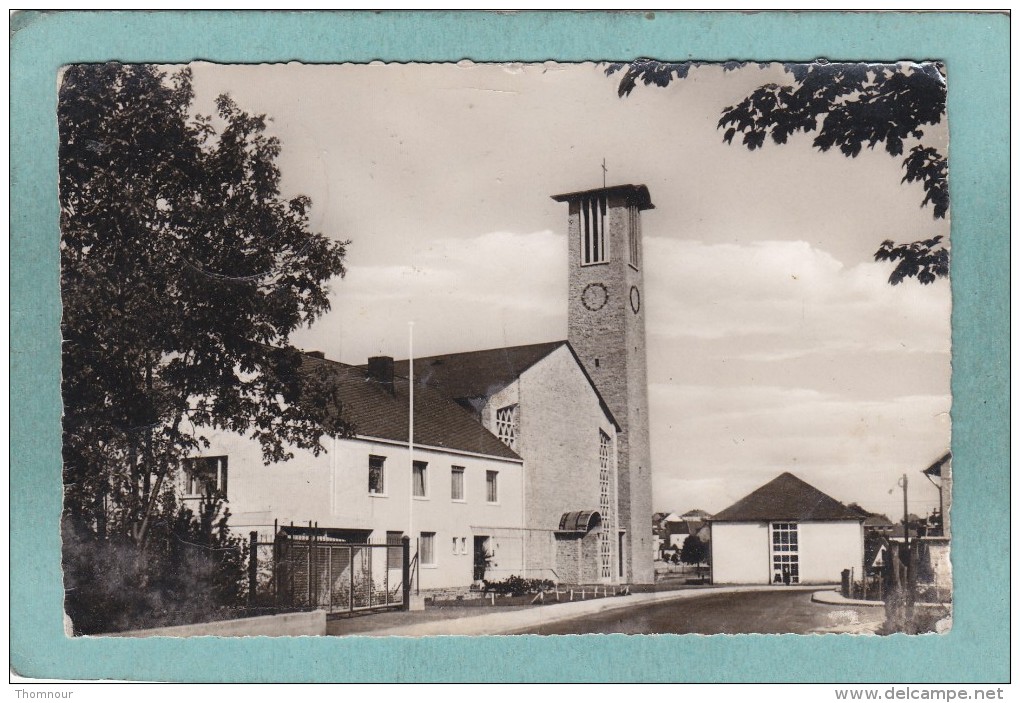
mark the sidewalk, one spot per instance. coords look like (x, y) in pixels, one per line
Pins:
(834, 598)
(510, 620)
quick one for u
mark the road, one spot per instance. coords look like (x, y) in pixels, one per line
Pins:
(766, 612)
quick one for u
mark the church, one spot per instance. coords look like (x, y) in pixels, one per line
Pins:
(530, 460)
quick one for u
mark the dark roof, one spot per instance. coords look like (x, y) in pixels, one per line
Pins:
(438, 421)
(636, 195)
(478, 375)
(786, 497)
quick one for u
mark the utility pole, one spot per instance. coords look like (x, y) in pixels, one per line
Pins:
(909, 585)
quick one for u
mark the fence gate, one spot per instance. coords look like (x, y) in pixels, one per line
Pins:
(314, 571)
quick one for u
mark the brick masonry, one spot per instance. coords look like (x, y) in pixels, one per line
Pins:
(559, 418)
(611, 344)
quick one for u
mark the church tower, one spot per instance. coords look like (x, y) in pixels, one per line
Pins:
(606, 323)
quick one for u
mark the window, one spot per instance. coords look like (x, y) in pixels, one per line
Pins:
(376, 475)
(785, 559)
(428, 548)
(457, 483)
(492, 486)
(506, 425)
(605, 506)
(634, 233)
(463, 545)
(784, 537)
(420, 479)
(205, 476)
(594, 248)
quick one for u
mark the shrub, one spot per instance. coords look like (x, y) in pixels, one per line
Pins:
(517, 586)
(192, 569)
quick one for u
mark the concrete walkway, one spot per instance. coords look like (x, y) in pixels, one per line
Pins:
(510, 621)
(835, 598)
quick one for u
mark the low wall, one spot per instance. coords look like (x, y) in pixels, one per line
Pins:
(287, 625)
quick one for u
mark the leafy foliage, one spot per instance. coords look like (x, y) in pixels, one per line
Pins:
(194, 571)
(694, 551)
(517, 586)
(183, 274)
(847, 107)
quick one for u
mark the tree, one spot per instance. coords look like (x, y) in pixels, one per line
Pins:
(846, 106)
(693, 551)
(183, 274)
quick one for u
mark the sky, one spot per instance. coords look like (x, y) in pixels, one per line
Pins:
(775, 342)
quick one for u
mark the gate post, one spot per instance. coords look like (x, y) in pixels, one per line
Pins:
(405, 544)
(253, 565)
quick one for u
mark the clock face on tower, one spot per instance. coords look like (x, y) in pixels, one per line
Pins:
(635, 299)
(594, 296)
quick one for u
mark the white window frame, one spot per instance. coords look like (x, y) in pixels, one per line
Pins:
(454, 471)
(430, 539)
(506, 425)
(424, 466)
(192, 477)
(784, 551)
(492, 480)
(382, 476)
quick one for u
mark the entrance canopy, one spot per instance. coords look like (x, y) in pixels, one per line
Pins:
(582, 521)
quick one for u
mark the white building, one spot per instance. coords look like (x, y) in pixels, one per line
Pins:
(786, 531)
(463, 493)
(531, 460)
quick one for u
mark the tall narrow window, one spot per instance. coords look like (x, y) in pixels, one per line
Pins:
(605, 505)
(506, 425)
(594, 249)
(457, 483)
(376, 475)
(492, 486)
(428, 548)
(633, 233)
(785, 556)
(420, 479)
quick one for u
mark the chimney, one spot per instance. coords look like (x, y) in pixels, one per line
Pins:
(380, 368)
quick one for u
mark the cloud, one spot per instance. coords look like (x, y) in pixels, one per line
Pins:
(489, 290)
(854, 449)
(787, 299)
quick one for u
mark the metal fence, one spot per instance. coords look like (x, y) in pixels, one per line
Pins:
(308, 568)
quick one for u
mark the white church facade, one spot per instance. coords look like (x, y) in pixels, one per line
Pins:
(531, 460)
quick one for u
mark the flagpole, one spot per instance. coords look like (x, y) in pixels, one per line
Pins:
(410, 428)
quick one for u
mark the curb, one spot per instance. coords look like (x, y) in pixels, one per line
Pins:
(505, 623)
(833, 598)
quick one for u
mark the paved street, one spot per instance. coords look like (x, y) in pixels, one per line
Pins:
(767, 612)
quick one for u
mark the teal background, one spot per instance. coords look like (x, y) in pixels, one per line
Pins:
(975, 49)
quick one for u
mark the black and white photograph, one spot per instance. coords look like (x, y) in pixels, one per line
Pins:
(423, 349)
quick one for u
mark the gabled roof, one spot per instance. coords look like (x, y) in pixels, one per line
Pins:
(786, 497)
(438, 420)
(478, 375)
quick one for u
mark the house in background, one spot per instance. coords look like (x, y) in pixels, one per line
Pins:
(677, 528)
(786, 531)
